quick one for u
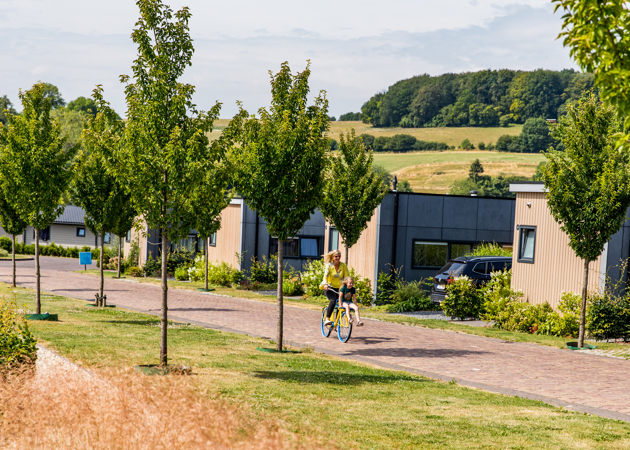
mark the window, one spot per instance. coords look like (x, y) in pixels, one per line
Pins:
(458, 250)
(128, 237)
(44, 234)
(107, 238)
(480, 268)
(80, 231)
(333, 239)
(298, 247)
(212, 240)
(429, 254)
(526, 244)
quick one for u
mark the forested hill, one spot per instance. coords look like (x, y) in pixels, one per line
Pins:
(489, 98)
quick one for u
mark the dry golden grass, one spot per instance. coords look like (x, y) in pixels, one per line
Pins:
(125, 411)
(449, 135)
(437, 178)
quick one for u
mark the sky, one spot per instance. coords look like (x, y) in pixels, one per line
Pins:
(356, 47)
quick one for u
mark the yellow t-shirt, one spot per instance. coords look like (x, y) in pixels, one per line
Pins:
(333, 277)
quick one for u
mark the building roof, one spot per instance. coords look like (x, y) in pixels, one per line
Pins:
(71, 215)
(527, 186)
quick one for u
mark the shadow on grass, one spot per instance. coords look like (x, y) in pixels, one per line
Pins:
(337, 378)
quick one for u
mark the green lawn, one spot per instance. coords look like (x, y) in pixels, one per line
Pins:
(311, 393)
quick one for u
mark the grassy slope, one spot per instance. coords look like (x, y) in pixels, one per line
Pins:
(308, 392)
(435, 172)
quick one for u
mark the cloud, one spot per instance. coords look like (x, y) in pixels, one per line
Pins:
(228, 68)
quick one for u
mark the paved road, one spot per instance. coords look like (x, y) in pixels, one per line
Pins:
(582, 382)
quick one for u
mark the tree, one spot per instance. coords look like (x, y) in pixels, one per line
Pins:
(535, 136)
(467, 145)
(352, 190)
(96, 188)
(596, 34)
(280, 160)
(12, 223)
(165, 152)
(34, 168)
(588, 184)
(475, 170)
(52, 92)
(86, 105)
(5, 104)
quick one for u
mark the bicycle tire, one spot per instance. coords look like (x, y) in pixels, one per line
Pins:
(344, 329)
(326, 329)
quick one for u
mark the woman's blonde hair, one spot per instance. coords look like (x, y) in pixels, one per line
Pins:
(345, 281)
(328, 257)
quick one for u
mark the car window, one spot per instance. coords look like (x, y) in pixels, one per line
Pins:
(495, 266)
(480, 268)
(452, 268)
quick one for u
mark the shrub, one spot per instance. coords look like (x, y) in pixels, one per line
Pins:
(221, 274)
(467, 145)
(489, 249)
(151, 267)
(181, 258)
(133, 259)
(312, 276)
(3, 253)
(463, 299)
(608, 316)
(410, 296)
(264, 271)
(6, 243)
(386, 286)
(365, 296)
(17, 343)
(135, 271)
(181, 273)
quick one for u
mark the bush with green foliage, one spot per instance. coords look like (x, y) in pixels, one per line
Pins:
(134, 271)
(3, 253)
(365, 295)
(133, 259)
(467, 145)
(463, 299)
(350, 117)
(312, 275)
(385, 286)
(6, 243)
(410, 296)
(180, 258)
(219, 273)
(608, 316)
(264, 271)
(490, 249)
(17, 344)
(181, 273)
(152, 267)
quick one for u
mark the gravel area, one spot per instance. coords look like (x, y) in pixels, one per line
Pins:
(51, 366)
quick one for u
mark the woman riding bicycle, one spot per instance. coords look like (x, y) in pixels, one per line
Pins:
(334, 273)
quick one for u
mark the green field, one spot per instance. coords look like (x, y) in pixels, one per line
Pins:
(309, 393)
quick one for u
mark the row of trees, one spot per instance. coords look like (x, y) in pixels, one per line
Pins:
(159, 165)
(488, 98)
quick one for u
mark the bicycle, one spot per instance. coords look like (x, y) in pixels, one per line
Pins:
(340, 322)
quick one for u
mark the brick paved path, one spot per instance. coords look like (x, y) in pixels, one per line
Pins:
(583, 382)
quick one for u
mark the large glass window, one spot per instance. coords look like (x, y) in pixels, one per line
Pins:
(304, 247)
(526, 244)
(333, 239)
(213, 240)
(458, 250)
(430, 254)
(128, 237)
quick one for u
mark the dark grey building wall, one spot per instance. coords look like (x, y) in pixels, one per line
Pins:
(439, 218)
(618, 254)
(314, 227)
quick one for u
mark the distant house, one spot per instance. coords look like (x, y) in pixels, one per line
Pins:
(543, 264)
(68, 230)
(417, 233)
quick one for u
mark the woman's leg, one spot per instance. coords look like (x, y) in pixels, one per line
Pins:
(332, 297)
(356, 311)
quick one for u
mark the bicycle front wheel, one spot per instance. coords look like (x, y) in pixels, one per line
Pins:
(344, 329)
(326, 329)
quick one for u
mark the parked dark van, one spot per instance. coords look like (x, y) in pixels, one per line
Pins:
(477, 268)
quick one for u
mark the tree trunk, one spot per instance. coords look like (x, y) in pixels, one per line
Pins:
(163, 345)
(102, 286)
(206, 258)
(347, 250)
(38, 299)
(280, 299)
(13, 258)
(120, 243)
(583, 308)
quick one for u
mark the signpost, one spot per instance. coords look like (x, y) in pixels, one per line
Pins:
(85, 258)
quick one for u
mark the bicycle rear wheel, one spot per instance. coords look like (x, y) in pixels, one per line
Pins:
(344, 329)
(326, 329)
